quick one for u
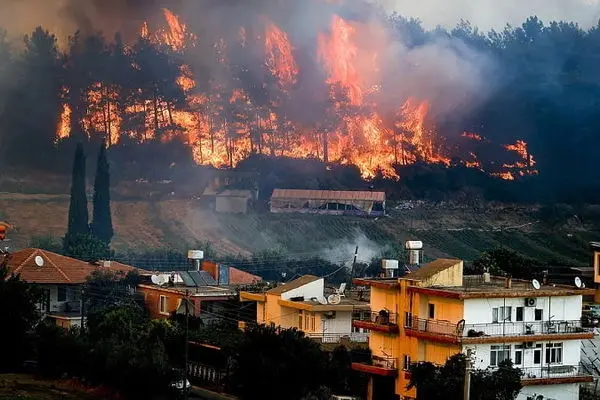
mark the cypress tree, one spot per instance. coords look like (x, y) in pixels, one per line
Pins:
(78, 211)
(102, 220)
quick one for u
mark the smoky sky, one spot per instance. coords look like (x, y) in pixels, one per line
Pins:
(488, 14)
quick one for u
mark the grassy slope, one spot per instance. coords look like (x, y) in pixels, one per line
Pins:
(26, 387)
(176, 223)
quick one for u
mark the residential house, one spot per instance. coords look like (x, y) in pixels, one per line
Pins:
(211, 291)
(304, 304)
(61, 279)
(436, 312)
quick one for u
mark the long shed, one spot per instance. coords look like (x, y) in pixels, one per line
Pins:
(337, 202)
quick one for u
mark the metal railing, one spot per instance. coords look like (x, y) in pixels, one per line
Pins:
(326, 337)
(382, 317)
(551, 371)
(385, 362)
(506, 328)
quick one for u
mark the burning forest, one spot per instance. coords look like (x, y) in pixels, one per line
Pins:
(337, 96)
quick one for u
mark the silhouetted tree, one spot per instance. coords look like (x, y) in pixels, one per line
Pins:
(102, 220)
(78, 211)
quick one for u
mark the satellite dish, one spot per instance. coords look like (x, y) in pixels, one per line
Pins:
(39, 261)
(536, 284)
(578, 282)
(163, 279)
(155, 279)
(583, 285)
(322, 300)
(334, 299)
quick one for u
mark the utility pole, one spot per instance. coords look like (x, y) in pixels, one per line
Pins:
(185, 367)
(353, 265)
(467, 388)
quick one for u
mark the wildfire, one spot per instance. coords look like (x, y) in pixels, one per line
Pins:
(223, 125)
(280, 59)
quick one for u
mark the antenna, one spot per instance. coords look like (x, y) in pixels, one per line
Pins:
(579, 283)
(334, 299)
(536, 284)
(155, 279)
(39, 261)
(322, 300)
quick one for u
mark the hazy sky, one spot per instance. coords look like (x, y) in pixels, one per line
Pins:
(487, 14)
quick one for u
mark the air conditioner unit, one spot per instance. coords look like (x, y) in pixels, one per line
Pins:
(528, 345)
(530, 302)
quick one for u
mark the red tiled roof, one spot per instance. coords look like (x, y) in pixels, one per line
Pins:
(56, 269)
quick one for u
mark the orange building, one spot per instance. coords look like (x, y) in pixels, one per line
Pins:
(436, 312)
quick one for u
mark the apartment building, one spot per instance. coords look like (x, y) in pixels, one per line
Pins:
(436, 312)
(304, 304)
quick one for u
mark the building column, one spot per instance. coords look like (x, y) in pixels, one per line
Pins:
(370, 389)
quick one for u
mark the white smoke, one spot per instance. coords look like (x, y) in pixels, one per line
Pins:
(342, 251)
(488, 14)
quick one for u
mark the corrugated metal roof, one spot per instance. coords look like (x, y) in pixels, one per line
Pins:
(327, 194)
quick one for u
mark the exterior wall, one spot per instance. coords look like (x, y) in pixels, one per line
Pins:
(565, 308)
(448, 277)
(342, 323)
(72, 299)
(238, 277)
(152, 301)
(310, 290)
(272, 310)
(444, 309)
(227, 204)
(551, 392)
(570, 354)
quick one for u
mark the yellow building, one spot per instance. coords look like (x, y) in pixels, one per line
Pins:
(302, 304)
(436, 312)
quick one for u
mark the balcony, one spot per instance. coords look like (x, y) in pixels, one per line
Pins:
(376, 365)
(382, 321)
(553, 374)
(354, 337)
(481, 333)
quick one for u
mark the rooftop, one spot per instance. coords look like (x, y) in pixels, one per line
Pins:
(474, 286)
(430, 269)
(199, 291)
(327, 194)
(295, 284)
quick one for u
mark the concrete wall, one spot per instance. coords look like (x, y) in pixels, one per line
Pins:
(452, 276)
(342, 323)
(310, 290)
(551, 392)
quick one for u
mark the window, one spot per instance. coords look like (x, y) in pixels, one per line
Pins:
(300, 317)
(554, 353)
(408, 319)
(312, 322)
(519, 316)
(162, 305)
(537, 354)
(499, 353)
(62, 293)
(539, 313)
(501, 314)
(518, 360)
(431, 311)
(406, 363)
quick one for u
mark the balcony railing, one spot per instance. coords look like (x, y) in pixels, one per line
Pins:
(382, 317)
(390, 363)
(552, 371)
(356, 337)
(506, 328)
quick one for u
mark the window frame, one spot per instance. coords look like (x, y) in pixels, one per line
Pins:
(61, 289)
(406, 362)
(519, 350)
(539, 311)
(501, 314)
(499, 349)
(519, 310)
(431, 310)
(163, 305)
(554, 353)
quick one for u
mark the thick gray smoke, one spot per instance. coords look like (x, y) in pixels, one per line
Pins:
(488, 14)
(342, 252)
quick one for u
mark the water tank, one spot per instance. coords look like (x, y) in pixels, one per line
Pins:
(390, 267)
(195, 255)
(413, 245)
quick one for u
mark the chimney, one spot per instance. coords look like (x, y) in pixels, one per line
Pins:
(508, 282)
(195, 256)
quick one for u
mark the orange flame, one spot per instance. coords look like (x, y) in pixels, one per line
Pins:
(280, 59)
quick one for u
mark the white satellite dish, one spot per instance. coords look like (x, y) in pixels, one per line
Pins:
(334, 299)
(39, 261)
(322, 300)
(536, 284)
(155, 279)
(163, 279)
(578, 282)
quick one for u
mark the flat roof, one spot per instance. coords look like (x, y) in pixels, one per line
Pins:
(474, 286)
(327, 194)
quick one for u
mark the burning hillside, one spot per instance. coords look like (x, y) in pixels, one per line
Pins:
(339, 98)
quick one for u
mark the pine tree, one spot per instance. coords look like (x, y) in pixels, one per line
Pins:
(78, 211)
(102, 220)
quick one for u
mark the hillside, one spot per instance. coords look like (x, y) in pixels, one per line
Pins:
(181, 223)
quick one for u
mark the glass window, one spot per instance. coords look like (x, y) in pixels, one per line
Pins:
(518, 360)
(431, 311)
(407, 319)
(537, 354)
(554, 353)
(162, 304)
(501, 314)
(499, 353)
(539, 313)
(519, 316)
(406, 364)
(62, 293)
